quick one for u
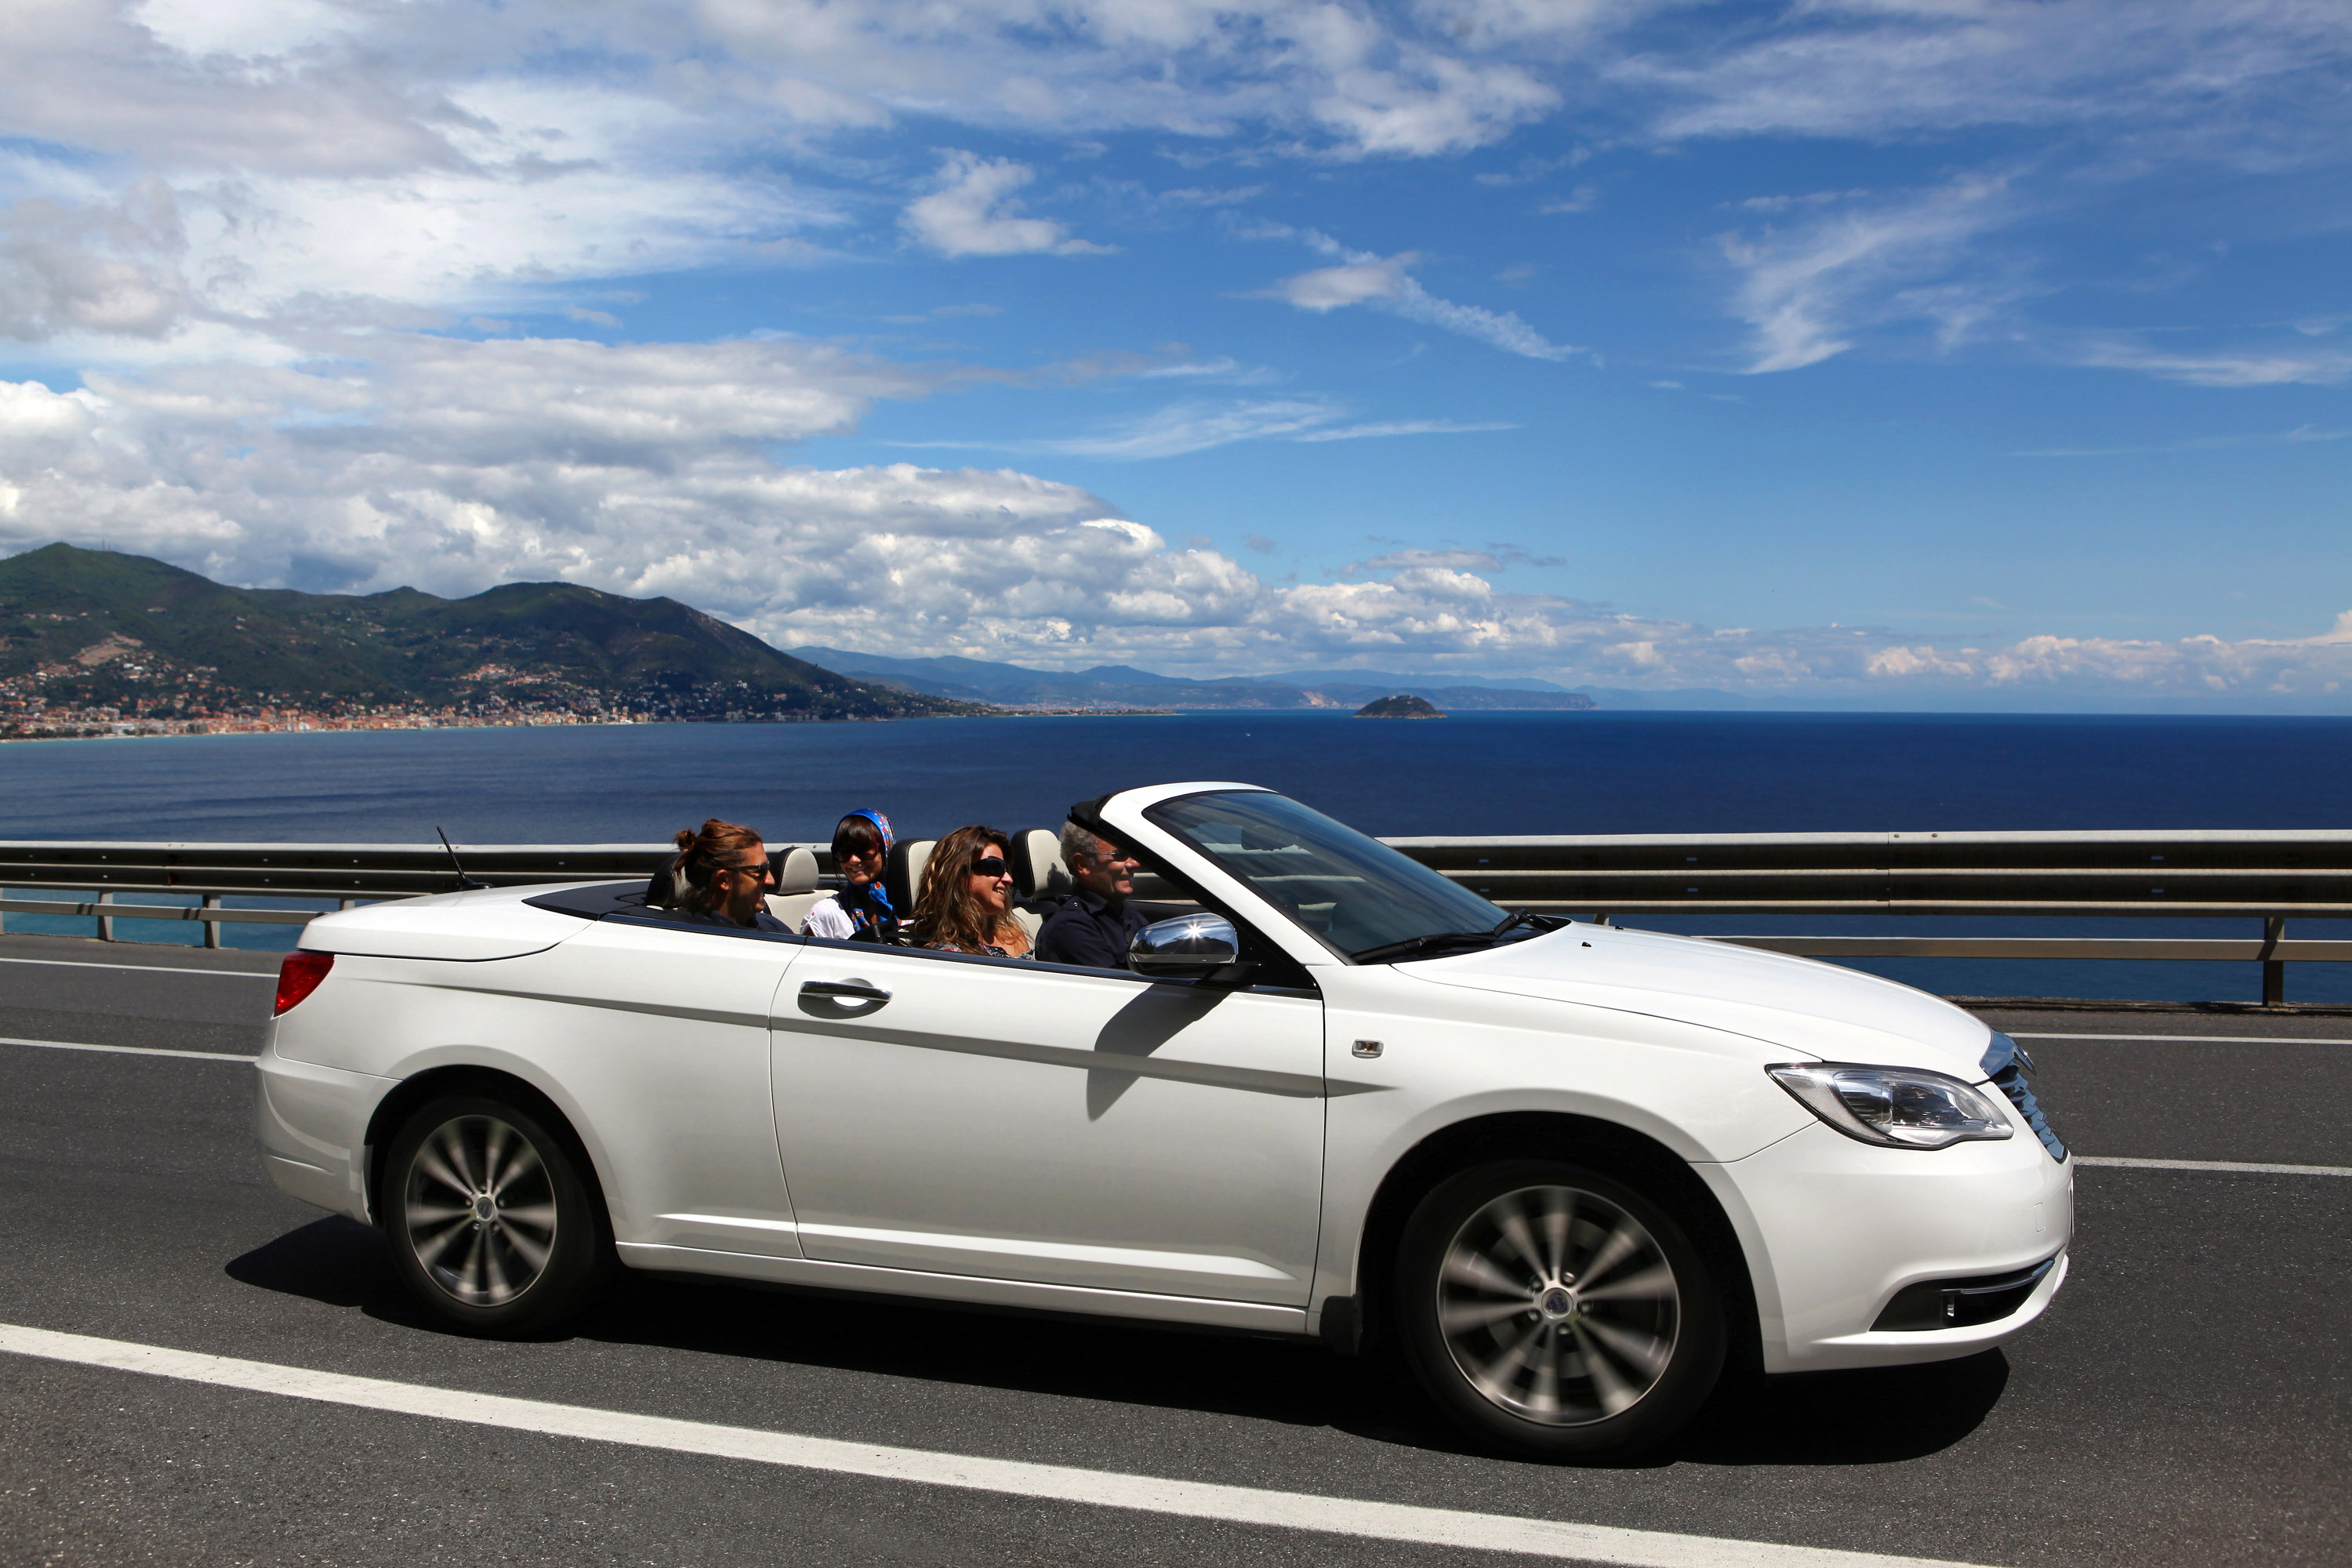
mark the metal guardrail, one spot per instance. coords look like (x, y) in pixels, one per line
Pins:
(2263, 875)
(2256, 875)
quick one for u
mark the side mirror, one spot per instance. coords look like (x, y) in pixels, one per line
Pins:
(1185, 948)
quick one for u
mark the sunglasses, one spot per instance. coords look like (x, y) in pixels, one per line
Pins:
(991, 867)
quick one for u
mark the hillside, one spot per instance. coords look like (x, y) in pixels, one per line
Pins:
(1121, 686)
(86, 631)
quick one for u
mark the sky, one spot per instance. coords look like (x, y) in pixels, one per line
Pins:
(1894, 353)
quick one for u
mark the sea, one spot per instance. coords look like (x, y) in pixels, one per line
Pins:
(1471, 773)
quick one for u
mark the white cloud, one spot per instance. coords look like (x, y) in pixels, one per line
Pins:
(2246, 366)
(1387, 283)
(102, 270)
(1377, 427)
(455, 466)
(1327, 289)
(2301, 436)
(974, 212)
(1807, 292)
(2252, 82)
(1197, 424)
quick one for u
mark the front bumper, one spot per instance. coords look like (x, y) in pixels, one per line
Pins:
(1835, 1230)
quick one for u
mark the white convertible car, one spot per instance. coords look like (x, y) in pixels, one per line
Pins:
(1568, 1170)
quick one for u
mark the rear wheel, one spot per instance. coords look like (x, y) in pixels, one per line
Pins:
(1556, 1311)
(493, 1228)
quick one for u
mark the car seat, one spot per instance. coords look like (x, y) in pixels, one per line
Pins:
(796, 886)
(903, 877)
(1038, 870)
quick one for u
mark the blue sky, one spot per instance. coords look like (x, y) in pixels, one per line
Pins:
(1914, 353)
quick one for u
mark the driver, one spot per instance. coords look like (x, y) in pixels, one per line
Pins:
(1097, 924)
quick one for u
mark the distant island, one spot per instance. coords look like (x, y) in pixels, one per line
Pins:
(1121, 686)
(1403, 705)
(95, 642)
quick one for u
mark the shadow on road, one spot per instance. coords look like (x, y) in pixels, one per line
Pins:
(1825, 1418)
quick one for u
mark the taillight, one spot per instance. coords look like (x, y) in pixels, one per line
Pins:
(299, 976)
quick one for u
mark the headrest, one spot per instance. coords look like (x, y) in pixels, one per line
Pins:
(1037, 865)
(904, 878)
(796, 870)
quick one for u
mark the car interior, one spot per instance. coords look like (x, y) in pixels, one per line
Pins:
(1041, 880)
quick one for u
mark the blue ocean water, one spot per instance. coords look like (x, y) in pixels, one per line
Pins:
(1472, 773)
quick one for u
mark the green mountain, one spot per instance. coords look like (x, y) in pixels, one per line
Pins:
(82, 629)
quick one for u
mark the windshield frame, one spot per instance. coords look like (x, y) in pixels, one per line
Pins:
(1411, 874)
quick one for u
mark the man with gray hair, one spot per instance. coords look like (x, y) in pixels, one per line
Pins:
(1095, 925)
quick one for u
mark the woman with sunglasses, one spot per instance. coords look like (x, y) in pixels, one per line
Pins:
(861, 910)
(966, 903)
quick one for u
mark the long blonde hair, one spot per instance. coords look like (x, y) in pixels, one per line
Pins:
(947, 912)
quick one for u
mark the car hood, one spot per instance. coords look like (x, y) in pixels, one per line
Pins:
(469, 927)
(1809, 1009)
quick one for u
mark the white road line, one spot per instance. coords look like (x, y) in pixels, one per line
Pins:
(145, 968)
(2224, 1165)
(1546, 1538)
(2191, 1039)
(129, 1050)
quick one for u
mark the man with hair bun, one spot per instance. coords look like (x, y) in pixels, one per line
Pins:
(1094, 927)
(722, 877)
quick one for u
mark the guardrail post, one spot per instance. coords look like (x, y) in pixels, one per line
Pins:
(212, 927)
(106, 922)
(2273, 969)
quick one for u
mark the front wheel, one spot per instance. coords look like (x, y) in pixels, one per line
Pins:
(1556, 1311)
(492, 1227)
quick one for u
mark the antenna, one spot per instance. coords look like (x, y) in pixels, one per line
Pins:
(464, 884)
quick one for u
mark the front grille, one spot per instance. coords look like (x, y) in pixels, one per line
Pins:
(2007, 1066)
(1959, 1303)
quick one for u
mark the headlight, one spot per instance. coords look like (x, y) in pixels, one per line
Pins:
(1897, 1108)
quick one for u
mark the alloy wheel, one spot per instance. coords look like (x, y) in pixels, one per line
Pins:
(1559, 1306)
(480, 1210)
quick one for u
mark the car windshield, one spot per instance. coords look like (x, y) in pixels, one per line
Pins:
(1358, 895)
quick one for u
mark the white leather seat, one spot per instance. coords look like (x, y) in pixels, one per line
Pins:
(1037, 865)
(904, 878)
(797, 887)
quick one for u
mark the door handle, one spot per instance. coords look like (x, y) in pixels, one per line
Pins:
(860, 990)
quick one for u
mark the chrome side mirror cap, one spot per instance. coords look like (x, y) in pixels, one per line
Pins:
(1188, 947)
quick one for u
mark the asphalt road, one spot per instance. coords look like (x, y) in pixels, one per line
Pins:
(2188, 1400)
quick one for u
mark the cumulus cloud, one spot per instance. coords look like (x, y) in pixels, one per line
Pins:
(974, 212)
(103, 269)
(1362, 278)
(654, 469)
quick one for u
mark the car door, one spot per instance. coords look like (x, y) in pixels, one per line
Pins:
(1039, 1122)
(661, 1045)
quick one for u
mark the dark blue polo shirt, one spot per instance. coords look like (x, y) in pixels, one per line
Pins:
(1088, 930)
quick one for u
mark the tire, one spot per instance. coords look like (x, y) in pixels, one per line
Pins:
(1556, 1312)
(493, 1228)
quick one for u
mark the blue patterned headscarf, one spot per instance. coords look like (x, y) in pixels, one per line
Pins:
(869, 909)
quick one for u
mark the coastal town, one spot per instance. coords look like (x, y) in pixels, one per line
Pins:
(149, 695)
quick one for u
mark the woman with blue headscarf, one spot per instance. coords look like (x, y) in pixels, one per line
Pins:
(861, 910)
